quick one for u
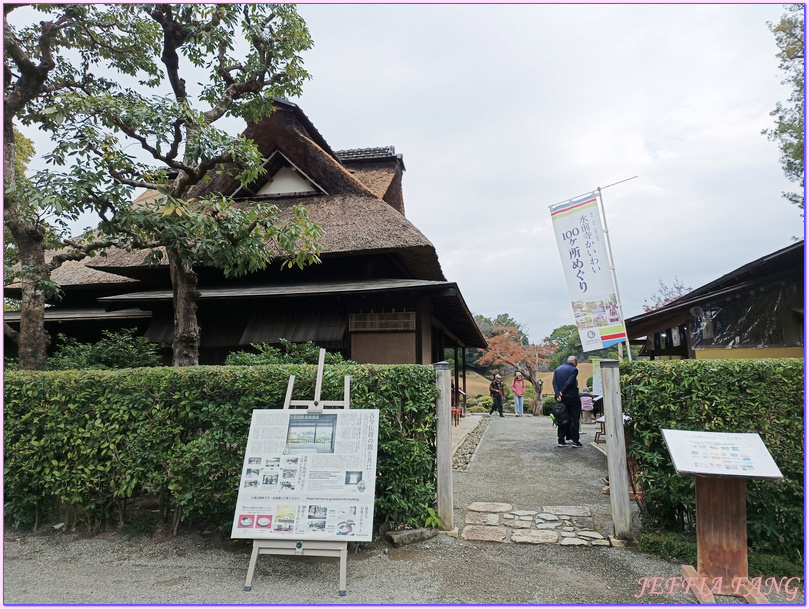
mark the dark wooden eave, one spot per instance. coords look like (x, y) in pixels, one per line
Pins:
(786, 264)
(449, 306)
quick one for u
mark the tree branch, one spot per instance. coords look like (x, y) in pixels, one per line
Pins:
(81, 252)
(11, 333)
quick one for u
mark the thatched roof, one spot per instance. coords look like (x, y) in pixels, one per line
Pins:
(352, 224)
(74, 273)
(354, 216)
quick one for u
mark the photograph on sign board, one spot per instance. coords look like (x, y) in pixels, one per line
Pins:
(284, 518)
(353, 477)
(310, 433)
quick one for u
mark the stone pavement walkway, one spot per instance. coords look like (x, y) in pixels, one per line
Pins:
(564, 525)
(520, 487)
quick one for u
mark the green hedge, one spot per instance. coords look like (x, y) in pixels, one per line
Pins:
(735, 396)
(82, 444)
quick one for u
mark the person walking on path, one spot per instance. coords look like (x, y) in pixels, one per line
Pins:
(496, 391)
(566, 390)
(518, 389)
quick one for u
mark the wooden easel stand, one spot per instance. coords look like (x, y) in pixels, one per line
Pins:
(306, 547)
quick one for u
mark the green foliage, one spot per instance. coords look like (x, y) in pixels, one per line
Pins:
(184, 146)
(486, 401)
(116, 350)
(762, 564)
(682, 547)
(789, 119)
(85, 442)
(734, 396)
(568, 343)
(671, 546)
(432, 520)
(547, 405)
(288, 353)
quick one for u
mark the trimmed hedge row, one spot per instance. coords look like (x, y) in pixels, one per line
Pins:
(735, 396)
(80, 444)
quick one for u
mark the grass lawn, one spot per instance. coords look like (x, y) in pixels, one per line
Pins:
(479, 385)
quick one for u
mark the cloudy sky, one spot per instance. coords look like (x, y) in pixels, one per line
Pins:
(503, 110)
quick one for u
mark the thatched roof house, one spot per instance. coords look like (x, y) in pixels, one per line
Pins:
(379, 296)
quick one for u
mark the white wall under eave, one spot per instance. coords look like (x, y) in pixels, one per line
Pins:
(286, 181)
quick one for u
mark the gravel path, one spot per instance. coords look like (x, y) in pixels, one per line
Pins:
(515, 462)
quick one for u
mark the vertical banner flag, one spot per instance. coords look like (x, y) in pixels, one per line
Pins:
(580, 237)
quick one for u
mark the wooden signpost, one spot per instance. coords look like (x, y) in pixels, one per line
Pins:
(721, 462)
(305, 490)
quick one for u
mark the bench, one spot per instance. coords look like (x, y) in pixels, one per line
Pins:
(456, 416)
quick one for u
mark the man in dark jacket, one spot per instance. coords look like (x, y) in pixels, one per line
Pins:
(566, 390)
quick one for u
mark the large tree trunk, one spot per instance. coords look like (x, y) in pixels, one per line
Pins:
(536, 407)
(9, 152)
(185, 348)
(33, 339)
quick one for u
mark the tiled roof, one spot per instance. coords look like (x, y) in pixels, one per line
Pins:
(364, 154)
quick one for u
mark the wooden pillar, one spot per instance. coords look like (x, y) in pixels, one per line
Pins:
(722, 530)
(463, 355)
(444, 499)
(456, 372)
(616, 449)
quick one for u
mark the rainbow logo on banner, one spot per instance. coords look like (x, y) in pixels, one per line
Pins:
(572, 207)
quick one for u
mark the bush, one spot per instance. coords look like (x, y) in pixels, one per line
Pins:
(288, 353)
(734, 396)
(115, 351)
(80, 445)
(486, 401)
(682, 547)
(547, 405)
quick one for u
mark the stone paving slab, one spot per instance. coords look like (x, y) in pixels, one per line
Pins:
(493, 507)
(565, 525)
(534, 537)
(573, 541)
(483, 518)
(479, 533)
(568, 510)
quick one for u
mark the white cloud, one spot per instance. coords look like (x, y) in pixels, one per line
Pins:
(503, 110)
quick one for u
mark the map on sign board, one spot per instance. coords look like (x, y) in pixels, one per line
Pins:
(308, 476)
(706, 453)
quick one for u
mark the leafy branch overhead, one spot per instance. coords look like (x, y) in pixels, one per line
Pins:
(151, 129)
(789, 117)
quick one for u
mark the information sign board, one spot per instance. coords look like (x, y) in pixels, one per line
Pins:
(707, 453)
(308, 476)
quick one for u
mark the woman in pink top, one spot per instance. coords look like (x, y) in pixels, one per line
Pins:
(518, 388)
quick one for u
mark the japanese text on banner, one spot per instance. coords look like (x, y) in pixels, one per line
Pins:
(582, 248)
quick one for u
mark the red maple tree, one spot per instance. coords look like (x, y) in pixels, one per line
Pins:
(505, 347)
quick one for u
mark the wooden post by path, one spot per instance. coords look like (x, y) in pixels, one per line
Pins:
(616, 449)
(443, 442)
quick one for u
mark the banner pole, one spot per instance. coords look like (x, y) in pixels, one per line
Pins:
(612, 267)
